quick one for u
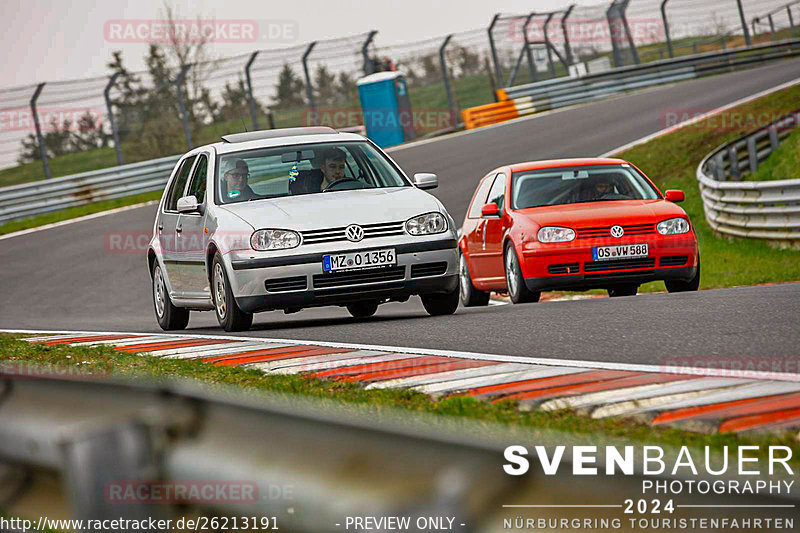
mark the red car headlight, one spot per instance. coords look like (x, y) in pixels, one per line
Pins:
(555, 234)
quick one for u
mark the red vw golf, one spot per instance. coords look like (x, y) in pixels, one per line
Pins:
(574, 224)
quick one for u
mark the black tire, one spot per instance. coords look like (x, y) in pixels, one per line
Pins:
(470, 296)
(677, 285)
(440, 303)
(229, 316)
(623, 290)
(517, 290)
(169, 317)
(362, 309)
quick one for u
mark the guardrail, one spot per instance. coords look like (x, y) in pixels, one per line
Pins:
(44, 196)
(756, 209)
(533, 98)
(100, 450)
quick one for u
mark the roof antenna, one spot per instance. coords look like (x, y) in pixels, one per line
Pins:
(243, 124)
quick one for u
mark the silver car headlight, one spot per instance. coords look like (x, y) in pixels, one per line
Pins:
(555, 234)
(427, 224)
(274, 239)
(673, 226)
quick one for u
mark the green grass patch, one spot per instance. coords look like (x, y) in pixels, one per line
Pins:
(103, 360)
(75, 212)
(671, 161)
(783, 163)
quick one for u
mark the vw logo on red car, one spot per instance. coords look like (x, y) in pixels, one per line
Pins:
(617, 231)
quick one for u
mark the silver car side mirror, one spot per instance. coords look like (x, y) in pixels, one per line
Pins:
(187, 204)
(426, 180)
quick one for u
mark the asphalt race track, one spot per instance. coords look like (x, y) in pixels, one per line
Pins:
(65, 278)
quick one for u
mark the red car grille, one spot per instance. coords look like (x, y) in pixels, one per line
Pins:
(605, 231)
(622, 264)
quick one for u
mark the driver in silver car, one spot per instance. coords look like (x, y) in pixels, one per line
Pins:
(331, 169)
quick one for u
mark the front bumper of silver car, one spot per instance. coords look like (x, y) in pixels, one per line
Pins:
(297, 281)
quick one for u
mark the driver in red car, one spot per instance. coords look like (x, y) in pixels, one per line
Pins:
(331, 169)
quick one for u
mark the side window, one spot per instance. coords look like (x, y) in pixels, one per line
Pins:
(480, 198)
(179, 184)
(197, 187)
(498, 192)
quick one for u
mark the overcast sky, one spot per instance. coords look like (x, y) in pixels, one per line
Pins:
(52, 40)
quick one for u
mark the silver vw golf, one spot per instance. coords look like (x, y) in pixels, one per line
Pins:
(295, 218)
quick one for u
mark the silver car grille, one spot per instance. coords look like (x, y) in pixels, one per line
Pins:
(384, 229)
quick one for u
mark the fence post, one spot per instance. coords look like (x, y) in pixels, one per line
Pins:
(182, 104)
(309, 87)
(791, 19)
(548, 45)
(744, 24)
(497, 70)
(628, 34)
(368, 66)
(39, 138)
(772, 27)
(666, 27)
(250, 98)
(567, 47)
(531, 67)
(752, 154)
(619, 59)
(446, 78)
(110, 108)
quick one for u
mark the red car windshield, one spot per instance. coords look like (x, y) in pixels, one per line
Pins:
(572, 185)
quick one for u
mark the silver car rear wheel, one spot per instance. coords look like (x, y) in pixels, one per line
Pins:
(169, 316)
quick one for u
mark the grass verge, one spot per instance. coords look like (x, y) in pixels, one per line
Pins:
(783, 163)
(103, 360)
(671, 161)
(75, 212)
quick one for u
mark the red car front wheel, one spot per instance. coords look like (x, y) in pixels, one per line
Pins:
(517, 289)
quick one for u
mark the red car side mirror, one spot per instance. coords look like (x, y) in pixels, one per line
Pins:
(490, 210)
(674, 196)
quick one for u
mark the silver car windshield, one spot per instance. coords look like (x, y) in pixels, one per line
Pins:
(572, 185)
(303, 169)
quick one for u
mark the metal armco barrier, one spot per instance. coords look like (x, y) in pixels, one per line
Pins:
(533, 98)
(71, 448)
(756, 209)
(39, 197)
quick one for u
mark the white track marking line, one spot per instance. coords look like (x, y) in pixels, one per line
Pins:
(449, 375)
(574, 363)
(118, 342)
(699, 118)
(79, 219)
